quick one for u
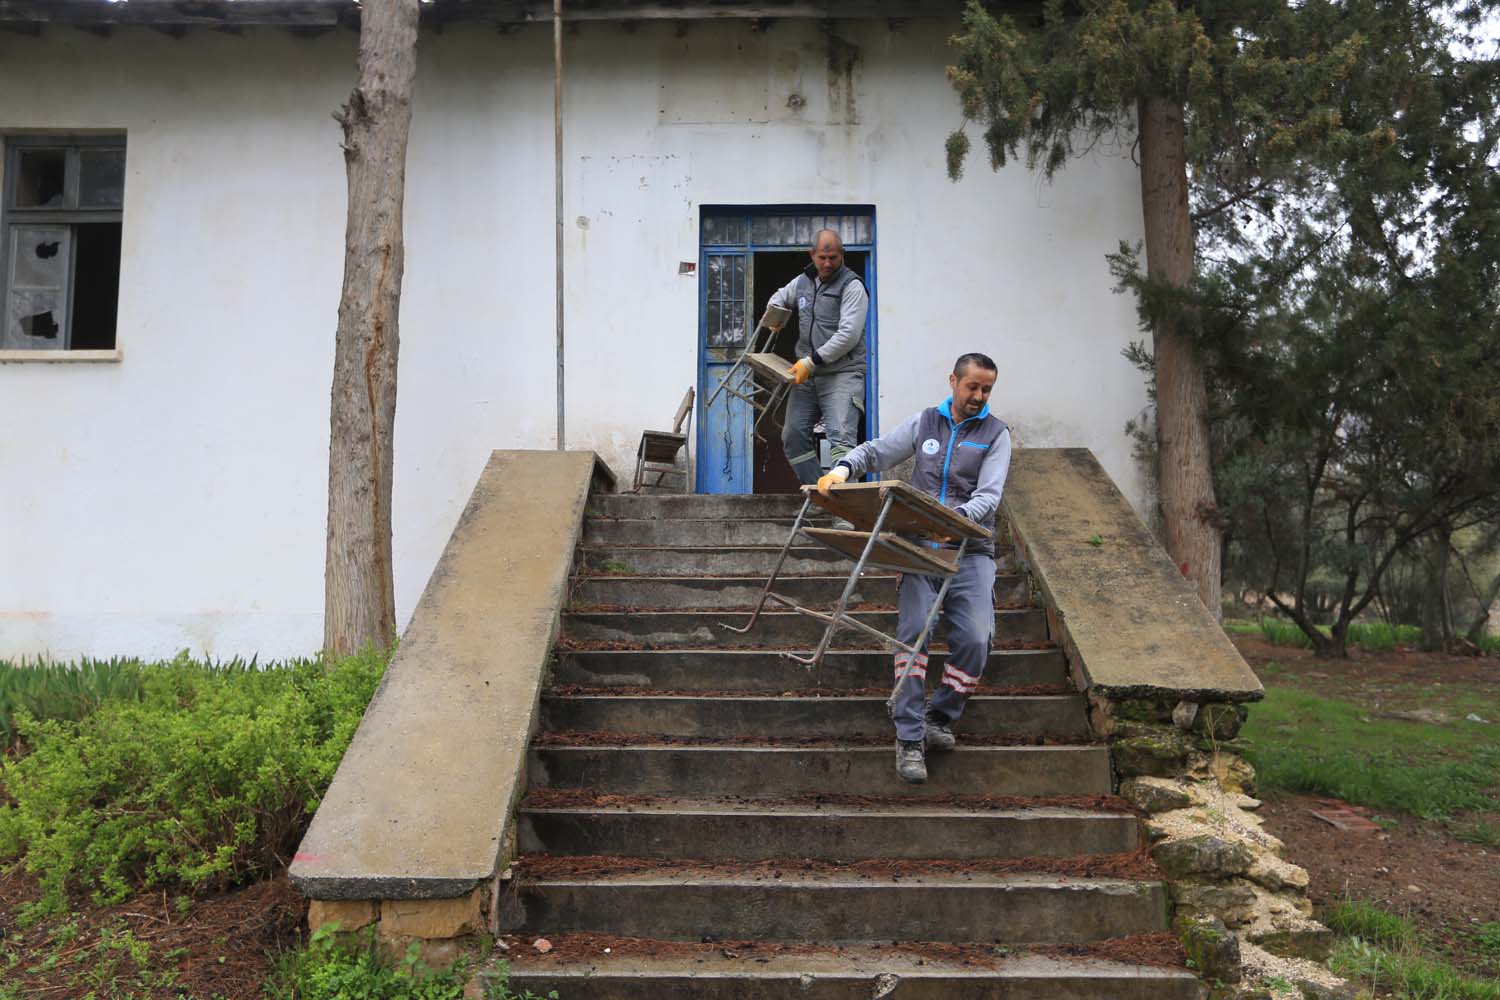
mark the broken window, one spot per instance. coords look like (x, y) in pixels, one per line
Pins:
(60, 252)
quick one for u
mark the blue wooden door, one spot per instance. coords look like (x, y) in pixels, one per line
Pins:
(724, 453)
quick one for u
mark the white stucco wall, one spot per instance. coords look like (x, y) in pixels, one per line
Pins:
(176, 499)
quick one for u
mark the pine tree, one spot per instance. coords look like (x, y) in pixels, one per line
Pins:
(1348, 316)
(1224, 94)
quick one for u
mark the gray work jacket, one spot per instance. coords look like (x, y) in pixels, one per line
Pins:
(831, 317)
(963, 465)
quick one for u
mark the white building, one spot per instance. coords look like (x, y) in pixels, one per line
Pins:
(164, 479)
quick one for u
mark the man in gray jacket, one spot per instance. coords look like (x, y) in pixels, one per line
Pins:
(962, 454)
(831, 304)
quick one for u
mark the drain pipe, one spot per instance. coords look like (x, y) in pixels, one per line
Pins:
(557, 183)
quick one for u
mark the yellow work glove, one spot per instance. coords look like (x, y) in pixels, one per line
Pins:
(834, 476)
(802, 371)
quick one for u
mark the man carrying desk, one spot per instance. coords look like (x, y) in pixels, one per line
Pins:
(962, 454)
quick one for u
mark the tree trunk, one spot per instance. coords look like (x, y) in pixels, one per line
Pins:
(1482, 617)
(359, 596)
(1436, 633)
(1184, 469)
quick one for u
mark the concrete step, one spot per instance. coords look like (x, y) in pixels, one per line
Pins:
(1020, 909)
(766, 671)
(775, 717)
(758, 972)
(774, 629)
(692, 532)
(761, 831)
(787, 770)
(686, 531)
(744, 591)
(707, 560)
(696, 506)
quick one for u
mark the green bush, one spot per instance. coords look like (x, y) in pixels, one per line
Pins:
(207, 779)
(47, 690)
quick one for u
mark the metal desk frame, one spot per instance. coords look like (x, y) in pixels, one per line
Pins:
(891, 496)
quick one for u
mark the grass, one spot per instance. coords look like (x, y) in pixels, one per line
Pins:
(1357, 918)
(1407, 974)
(1487, 940)
(1305, 743)
(1373, 636)
(1485, 834)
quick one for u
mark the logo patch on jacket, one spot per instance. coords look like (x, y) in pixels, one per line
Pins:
(802, 302)
(930, 446)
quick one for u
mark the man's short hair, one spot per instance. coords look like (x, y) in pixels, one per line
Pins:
(817, 239)
(977, 360)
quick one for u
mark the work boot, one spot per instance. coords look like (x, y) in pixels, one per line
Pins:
(939, 734)
(911, 761)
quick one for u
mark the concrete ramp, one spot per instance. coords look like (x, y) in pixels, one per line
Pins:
(1131, 625)
(420, 805)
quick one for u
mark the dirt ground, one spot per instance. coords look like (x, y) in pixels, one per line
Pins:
(1445, 886)
(221, 945)
(1414, 868)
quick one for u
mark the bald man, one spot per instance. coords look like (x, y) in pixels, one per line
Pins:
(831, 303)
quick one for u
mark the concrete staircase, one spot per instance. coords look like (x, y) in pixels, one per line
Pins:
(707, 819)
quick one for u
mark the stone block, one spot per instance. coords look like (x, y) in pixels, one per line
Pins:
(1203, 855)
(1211, 949)
(1310, 941)
(1219, 721)
(1154, 795)
(1185, 714)
(1162, 754)
(1277, 875)
(432, 918)
(1233, 773)
(349, 914)
(436, 954)
(1232, 902)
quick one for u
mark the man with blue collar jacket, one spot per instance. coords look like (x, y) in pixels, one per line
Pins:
(962, 454)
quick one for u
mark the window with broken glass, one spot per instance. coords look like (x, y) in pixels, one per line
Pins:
(60, 255)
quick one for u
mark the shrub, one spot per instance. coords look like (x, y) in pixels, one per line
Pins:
(208, 779)
(47, 690)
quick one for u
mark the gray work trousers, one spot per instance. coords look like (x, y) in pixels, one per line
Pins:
(839, 401)
(969, 613)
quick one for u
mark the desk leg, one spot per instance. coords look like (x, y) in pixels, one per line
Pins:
(775, 570)
(838, 612)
